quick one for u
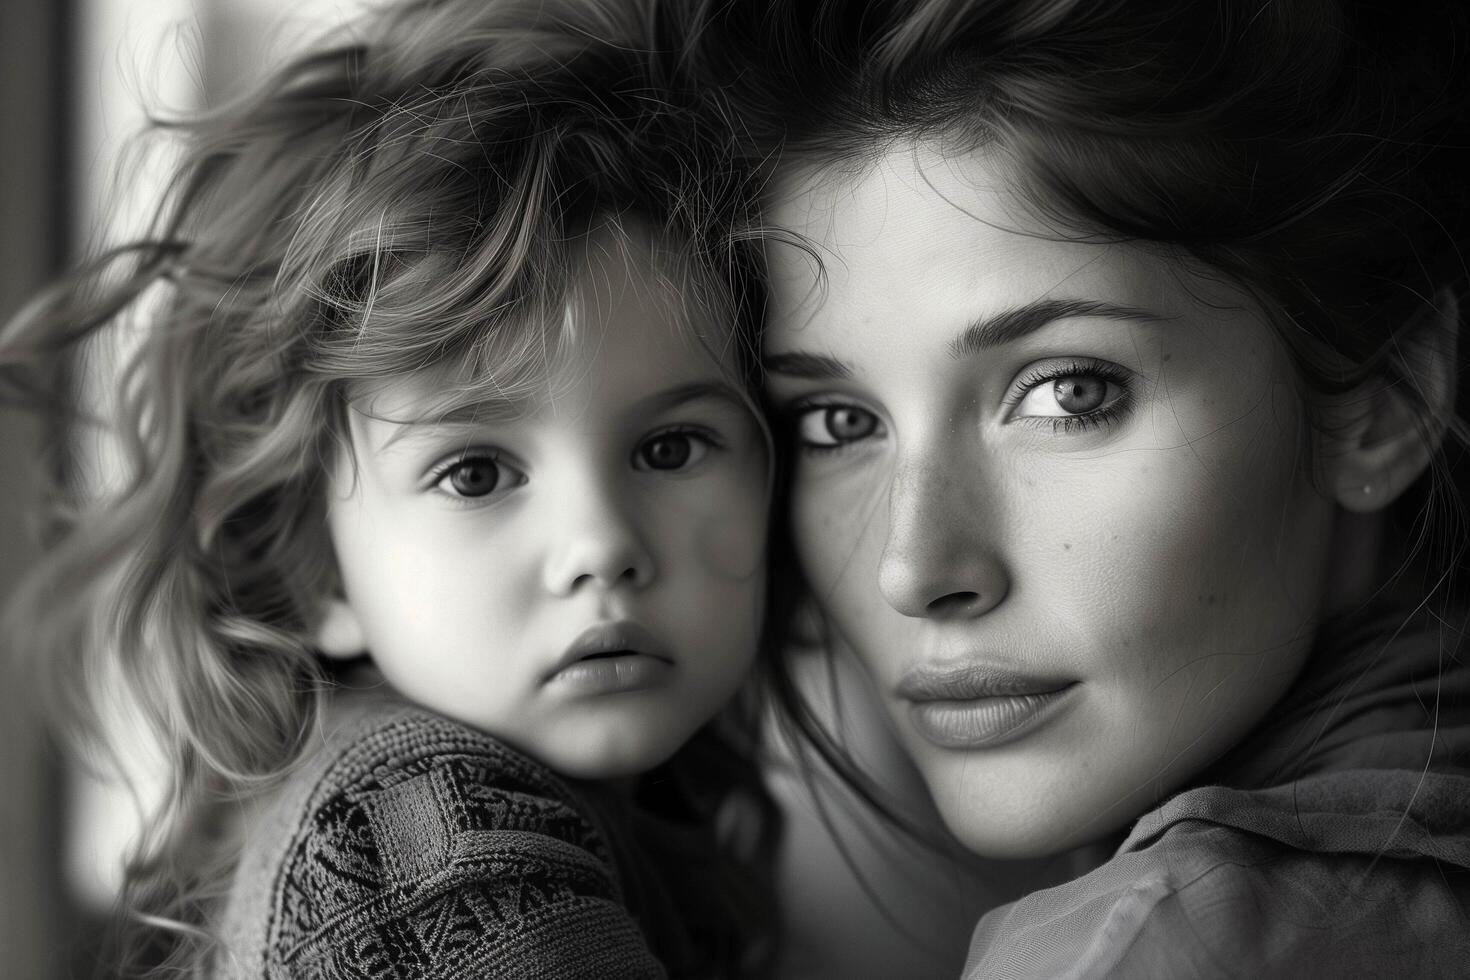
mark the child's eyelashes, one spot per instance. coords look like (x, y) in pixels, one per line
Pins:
(674, 449)
(475, 475)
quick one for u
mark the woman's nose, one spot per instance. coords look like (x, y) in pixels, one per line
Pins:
(939, 561)
(596, 544)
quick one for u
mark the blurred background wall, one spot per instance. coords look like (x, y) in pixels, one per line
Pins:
(34, 216)
(78, 79)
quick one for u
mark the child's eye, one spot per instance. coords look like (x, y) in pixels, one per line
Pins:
(671, 449)
(1070, 395)
(832, 425)
(471, 477)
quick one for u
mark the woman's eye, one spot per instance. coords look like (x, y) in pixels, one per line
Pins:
(670, 451)
(1069, 396)
(830, 426)
(478, 476)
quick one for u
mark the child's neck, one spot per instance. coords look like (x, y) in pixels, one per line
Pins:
(362, 675)
(623, 787)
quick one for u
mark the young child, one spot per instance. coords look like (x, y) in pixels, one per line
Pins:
(445, 519)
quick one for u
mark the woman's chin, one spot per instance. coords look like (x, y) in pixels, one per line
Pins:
(1006, 821)
(1006, 840)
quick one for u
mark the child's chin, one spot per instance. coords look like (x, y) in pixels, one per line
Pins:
(612, 758)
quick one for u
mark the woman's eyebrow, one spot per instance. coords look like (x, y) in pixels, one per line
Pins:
(1009, 325)
(803, 365)
(984, 334)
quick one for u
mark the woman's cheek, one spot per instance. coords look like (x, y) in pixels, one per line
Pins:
(840, 526)
(1206, 552)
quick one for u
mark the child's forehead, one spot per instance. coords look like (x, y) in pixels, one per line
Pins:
(632, 326)
(626, 255)
(414, 402)
(410, 413)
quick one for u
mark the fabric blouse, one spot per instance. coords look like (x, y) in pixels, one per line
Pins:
(1333, 842)
(407, 845)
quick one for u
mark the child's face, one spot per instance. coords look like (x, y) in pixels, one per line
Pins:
(1052, 494)
(581, 575)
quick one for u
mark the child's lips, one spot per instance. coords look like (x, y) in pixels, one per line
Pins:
(616, 640)
(597, 676)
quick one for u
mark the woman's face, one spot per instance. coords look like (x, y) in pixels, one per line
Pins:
(1054, 495)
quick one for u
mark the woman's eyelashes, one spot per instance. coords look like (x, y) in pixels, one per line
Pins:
(1072, 395)
(1066, 395)
(832, 426)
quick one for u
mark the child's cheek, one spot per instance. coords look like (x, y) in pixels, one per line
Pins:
(731, 547)
(729, 521)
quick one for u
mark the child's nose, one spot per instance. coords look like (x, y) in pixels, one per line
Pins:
(600, 547)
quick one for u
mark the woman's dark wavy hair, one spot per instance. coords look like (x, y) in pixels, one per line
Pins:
(1312, 152)
(410, 196)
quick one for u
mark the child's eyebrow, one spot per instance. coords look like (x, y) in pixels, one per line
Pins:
(694, 391)
(479, 412)
(492, 410)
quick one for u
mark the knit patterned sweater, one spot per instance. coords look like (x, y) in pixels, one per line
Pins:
(407, 845)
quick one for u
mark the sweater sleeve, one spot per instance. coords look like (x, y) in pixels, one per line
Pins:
(428, 850)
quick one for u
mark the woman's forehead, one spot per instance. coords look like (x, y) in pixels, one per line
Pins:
(808, 189)
(888, 229)
(920, 233)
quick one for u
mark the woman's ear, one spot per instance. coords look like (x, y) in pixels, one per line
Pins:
(1384, 436)
(339, 633)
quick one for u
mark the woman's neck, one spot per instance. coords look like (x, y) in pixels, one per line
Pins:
(1355, 569)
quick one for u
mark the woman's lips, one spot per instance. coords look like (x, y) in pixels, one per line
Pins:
(973, 706)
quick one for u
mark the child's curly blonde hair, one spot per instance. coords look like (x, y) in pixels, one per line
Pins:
(411, 197)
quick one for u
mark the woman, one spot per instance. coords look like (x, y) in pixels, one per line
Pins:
(1119, 353)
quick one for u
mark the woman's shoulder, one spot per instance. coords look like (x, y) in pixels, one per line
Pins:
(403, 836)
(1342, 874)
